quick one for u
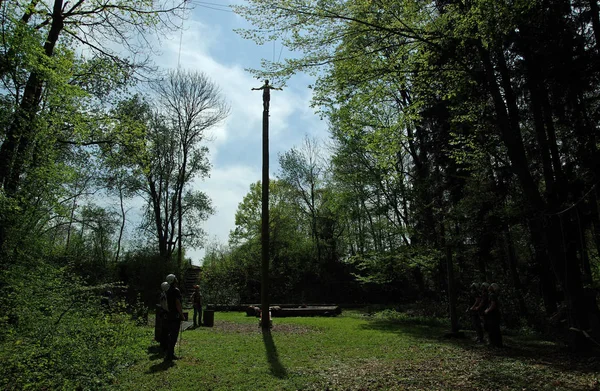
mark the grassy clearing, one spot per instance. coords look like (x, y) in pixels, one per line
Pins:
(355, 352)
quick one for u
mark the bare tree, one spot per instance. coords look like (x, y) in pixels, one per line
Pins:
(188, 104)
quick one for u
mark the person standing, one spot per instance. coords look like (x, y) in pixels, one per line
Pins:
(197, 304)
(162, 318)
(483, 303)
(476, 298)
(492, 317)
(174, 316)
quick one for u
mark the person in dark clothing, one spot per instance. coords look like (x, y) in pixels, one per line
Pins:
(473, 311)
(492, 317)
(197, 303)
(483, 303)
(174, 316)
(162, 318)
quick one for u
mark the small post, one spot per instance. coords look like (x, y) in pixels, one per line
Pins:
(264, 295)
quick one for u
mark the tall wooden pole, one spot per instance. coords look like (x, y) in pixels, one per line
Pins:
(264, 294)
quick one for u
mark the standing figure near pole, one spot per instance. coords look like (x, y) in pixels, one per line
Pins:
(266, 89)
(197, 303)
(174, 316)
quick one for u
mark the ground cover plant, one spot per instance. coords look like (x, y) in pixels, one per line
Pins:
(356, 351)
(57, 334)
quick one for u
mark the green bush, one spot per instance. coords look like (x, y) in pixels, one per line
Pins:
(57, 335)
(393, 316)
(143, 271)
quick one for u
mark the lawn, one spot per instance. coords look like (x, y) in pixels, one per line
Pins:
(354, 352)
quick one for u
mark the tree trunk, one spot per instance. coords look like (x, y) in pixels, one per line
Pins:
(19, 134)
(450, 278)
(595, 22)
(535, 103)
(595, 218)
(514, 273)
(512, 139)
(155, 199)
(543, 266)
(122, 228)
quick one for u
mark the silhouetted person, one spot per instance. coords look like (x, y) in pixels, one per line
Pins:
(483, 303)
(492, 317)
(474, 310)
(162, 318)
(174, 316)
(197, 304)
(266, 94)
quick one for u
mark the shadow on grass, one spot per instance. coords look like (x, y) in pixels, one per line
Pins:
(277, 368)
(160, 367)
(525, 349)
(155, 352)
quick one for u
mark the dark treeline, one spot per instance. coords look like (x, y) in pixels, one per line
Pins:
(464, 149)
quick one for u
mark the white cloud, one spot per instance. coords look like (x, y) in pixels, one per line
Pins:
(210, 47)
(226, 187)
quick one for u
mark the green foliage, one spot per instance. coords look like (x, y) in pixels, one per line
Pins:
(143, 271)
(400, 317)
(455, 124)
(226, 281)
(395, 269)
(296, 272)
(56, 334)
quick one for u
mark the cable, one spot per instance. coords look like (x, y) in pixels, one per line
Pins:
(208, 3)
(212, 6)
(181, 36)
(281, 50)
(216, 9)
(575, 204)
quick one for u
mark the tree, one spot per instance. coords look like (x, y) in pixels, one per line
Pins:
(480, 87)
(88, 23)
(302, 170)
(290, 247)
(169, 156)
(52, 98)
(192, 104)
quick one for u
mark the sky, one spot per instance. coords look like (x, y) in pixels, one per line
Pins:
(209, 44)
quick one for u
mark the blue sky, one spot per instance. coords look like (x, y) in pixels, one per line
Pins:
(210, 45)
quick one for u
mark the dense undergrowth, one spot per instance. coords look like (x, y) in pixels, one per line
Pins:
(57, 334)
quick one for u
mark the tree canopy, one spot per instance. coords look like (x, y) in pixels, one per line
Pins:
(465, 138)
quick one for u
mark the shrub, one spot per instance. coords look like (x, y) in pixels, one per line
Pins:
(57, 335)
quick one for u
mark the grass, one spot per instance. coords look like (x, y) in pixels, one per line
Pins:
(355, 352)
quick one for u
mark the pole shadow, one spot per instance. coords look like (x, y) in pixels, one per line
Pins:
(277, 368)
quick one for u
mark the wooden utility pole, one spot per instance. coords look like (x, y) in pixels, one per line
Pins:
(264, 294)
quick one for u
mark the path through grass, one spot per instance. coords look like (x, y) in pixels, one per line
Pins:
(355, 352)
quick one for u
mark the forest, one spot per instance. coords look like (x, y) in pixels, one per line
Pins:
(462, 148)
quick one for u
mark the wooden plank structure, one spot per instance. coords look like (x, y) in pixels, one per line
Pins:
(330, 310)
(289, 310)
